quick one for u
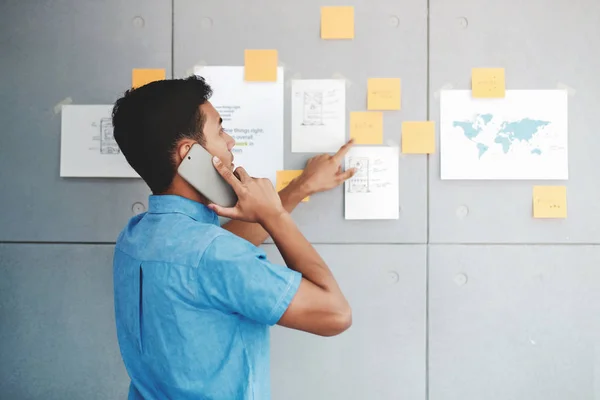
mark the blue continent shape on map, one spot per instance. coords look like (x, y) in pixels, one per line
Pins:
(509, 132)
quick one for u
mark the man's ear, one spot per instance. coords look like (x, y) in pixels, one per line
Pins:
(183, 147)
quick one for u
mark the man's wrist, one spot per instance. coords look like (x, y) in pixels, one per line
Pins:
(300, 188)
(273, 220)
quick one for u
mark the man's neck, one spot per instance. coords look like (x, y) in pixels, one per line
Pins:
(184, 189)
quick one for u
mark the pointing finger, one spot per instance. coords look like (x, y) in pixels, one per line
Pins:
(339, 156)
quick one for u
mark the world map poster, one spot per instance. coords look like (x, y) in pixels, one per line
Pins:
(521, 136)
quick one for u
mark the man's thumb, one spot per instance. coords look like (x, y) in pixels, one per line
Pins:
(349, 173)
(227, 212)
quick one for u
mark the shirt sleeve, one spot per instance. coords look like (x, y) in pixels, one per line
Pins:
(236, 277)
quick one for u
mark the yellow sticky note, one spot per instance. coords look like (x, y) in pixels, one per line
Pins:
(366, 127)
(143, 76)
(383, 94)
(549, 202)
(418, 137)
(337, 22)
(488, 82)
(260, 65)
(285, 177)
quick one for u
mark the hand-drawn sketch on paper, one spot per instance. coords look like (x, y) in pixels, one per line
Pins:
(318, 115)
(313, 108)
(372, 193)
(108, 145)
(359, 183)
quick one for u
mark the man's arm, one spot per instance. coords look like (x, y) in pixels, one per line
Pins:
(319, 306)
(316, 303)
(253, 232)
(322, 172)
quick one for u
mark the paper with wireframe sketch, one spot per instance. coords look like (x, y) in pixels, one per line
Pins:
(318, 115)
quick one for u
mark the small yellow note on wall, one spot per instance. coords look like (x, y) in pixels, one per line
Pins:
(143, 76)
(383, 94)
(366, 127)
(337, 22)
(418, 137)
(549, 202)
(285, 177)
(488, 82)
(260, 65)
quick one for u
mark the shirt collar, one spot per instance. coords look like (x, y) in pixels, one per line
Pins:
(170, 204)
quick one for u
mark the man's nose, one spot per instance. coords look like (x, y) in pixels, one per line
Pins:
(230, 143)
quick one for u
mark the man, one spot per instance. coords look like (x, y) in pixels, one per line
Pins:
(193, 300)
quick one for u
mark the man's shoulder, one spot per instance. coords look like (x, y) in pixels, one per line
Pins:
(173, 238)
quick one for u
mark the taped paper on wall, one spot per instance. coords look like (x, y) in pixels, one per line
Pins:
(372, 193)
(87, 145)
(522, 136)
(252, 114)
(318, 115)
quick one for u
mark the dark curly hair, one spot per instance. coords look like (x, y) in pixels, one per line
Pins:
(150, 120)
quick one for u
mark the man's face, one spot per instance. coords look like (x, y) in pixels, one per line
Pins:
(217, 142)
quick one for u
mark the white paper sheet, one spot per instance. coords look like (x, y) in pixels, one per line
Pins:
(372, 193)
(87, 146)
(318, 115)
(522, 136)
(252, 114)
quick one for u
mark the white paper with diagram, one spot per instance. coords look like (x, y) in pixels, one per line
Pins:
(87, 145)
(372, 193)
(521, 136)
(318, 109)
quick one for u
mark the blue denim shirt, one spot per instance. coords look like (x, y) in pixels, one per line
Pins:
(193, 305)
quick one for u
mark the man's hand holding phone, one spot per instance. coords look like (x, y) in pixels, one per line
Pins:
(258, 201)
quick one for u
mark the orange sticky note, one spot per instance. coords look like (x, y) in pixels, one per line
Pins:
(366, 127)
(418, 137)
(260, 65)
(143, 76)
(285, 177)
(337, 22)
(488, 82)
(549, 202)
(383, 94)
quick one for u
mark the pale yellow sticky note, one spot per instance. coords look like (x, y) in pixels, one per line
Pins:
(285, 177)
(383, 94)
(418, 137)
(488, 82)
(260, 65)
(366, 127)
(143, 76)
(549, 202)
(337, 22)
